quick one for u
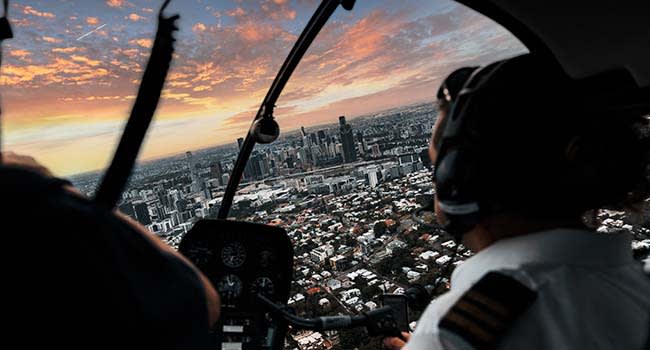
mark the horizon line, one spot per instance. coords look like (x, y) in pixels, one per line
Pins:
(181, 153)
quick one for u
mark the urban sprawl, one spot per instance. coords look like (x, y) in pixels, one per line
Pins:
(346, 193)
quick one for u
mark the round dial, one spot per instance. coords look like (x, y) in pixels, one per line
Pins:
(229, 288)
(262, 285)
(266, 258)
(233, 255)
(199, 254)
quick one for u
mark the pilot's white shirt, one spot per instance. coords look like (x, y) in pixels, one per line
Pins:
(591, 293)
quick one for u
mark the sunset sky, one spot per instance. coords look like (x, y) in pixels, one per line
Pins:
(66, 96)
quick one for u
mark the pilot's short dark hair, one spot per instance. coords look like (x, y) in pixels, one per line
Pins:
(548, 148)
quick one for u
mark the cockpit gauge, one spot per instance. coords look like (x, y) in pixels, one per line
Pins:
(258, 260)
(229, 287)
(199, 254)
(266, 258)
(262, 285)
(233, 255)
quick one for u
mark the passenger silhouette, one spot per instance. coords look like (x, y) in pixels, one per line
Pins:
(82, 276)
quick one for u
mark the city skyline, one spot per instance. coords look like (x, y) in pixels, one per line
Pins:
(357, 224)
(71, 73)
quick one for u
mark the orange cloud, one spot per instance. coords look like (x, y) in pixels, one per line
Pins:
(237, 12)
(135, 17)
(146, 43)
(201, 88)
(115, 3)
(85, 60)
(77, 70)
(49, 39)
(175, 96)
(254, 32)
(21, 22)
(127, 52)
(19, 53)
(364, 38)
(199, 27)
(92, 20)
(94, 98)
(67, 49)
(28, 10)
(207, 72)
(14, 75)
(280, 12)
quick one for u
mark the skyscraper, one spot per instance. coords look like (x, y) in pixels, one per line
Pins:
(127, 208)
(347, 140)
(376, 151)
(322, 137)
(362, 142)
(142, 212)
(259, 165)
(190, 163)
(216, 171)
(248, 172)
(306, 140)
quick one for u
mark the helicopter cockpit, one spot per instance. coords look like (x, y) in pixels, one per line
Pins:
(251, 264)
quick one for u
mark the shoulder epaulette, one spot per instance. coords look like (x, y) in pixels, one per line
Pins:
(487, 310)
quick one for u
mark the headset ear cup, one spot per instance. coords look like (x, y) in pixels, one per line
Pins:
(456, 175)
(455, 183)
(444, 176)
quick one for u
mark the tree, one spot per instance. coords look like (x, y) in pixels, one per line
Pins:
(370, 292)
(350, 241)
(401, 257)
(379, 228)
(352, 338)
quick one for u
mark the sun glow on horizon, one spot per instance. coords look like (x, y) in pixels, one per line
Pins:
(70, 75)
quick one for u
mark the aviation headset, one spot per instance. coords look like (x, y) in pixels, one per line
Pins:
(456, 164)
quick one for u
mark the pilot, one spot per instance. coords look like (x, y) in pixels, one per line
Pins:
(80, 276)
(520, 157)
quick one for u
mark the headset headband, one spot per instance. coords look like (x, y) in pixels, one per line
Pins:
(455, 168)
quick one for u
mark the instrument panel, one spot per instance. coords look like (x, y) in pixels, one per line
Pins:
(242, 259)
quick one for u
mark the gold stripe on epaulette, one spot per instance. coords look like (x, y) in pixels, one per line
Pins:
(471, 327)
(483, 315)
(490, 303)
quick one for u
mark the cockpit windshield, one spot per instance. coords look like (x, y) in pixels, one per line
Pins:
(345, 179)
(281, 150)
(72, 71)
(351, 163)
